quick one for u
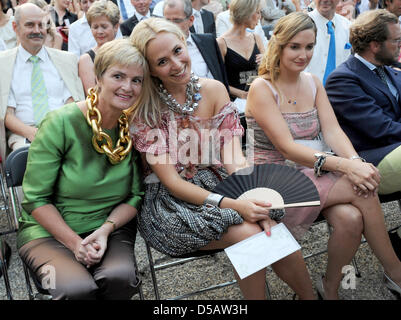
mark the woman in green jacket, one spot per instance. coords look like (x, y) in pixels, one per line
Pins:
(82, 187)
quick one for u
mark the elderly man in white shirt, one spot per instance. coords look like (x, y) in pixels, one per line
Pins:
(324, 13)
(35, 79)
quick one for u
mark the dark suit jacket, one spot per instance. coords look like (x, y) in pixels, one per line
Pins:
(128, 25)
(210, 52)
(209, 25)
(365, 108)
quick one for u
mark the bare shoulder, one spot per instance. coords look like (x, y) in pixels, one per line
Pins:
(260, 85)
(214, 93)
(210, 86)
(84, 58)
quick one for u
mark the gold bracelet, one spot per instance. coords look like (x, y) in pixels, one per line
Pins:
(112, 222)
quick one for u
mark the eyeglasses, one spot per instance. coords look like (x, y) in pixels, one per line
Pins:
(177, 21)
(395, 41)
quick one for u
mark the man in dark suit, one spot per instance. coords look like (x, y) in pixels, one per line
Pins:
(365, 94)
(203, 19)
(142, 11)
(202, 48)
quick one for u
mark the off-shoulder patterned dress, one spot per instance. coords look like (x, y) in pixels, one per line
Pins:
(170, 225)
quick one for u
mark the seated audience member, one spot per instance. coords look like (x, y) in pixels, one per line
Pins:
(273, 10)
(103, 18)
(287, 106)
(7, 33)
(142, 11)
(62, 17)
(241, 50)
(86, 234)
(224, 24)
(203, 49)
(35, 79)
(332, 40)
(53, 38)
(178, 215)
(203, 19)
(346, 8)
(365, 94)
(80, 38)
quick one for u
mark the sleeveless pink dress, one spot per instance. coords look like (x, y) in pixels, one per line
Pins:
(302, 125)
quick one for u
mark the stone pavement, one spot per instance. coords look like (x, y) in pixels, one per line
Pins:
(205, 272)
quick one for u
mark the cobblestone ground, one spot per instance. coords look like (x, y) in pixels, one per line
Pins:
(205, 272)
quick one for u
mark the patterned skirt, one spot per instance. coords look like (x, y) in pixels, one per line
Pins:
(176, 227)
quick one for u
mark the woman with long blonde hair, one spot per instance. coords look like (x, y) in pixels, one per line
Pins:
(289, 112)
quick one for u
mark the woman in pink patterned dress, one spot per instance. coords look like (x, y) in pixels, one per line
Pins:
(173, 130)
(288, 110)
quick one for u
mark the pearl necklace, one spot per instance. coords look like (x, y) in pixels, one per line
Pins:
(192, 97)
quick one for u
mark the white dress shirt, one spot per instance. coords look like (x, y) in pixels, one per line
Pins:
(158, 9)
(129, 8)
(317, 65)
(2, 45)
(364, 6)
(198, 23)
(20, 96)
(80, 38)
(223, 24)
(198, 64)
(140, 17)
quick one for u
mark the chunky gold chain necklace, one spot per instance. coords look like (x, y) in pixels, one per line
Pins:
(101, 141)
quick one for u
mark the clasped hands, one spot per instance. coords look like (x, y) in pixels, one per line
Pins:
(365, 178)
(91, 249)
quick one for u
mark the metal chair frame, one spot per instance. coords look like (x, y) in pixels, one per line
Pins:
(155, 266)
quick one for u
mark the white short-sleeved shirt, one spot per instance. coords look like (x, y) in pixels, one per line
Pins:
(20, 96)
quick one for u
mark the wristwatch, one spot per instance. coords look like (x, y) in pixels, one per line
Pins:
(320, 160)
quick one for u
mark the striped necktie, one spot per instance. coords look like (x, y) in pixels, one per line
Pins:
(331, 57)
(40, 103)
(382, 74)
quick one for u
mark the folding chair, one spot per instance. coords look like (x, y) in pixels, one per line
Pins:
(175, 261)
(14, 169)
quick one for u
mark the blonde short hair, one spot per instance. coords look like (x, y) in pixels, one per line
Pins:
(241, 10)
(103, 8)
(122, 52)
(145, 31)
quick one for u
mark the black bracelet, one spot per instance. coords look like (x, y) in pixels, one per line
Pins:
(321, 159)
